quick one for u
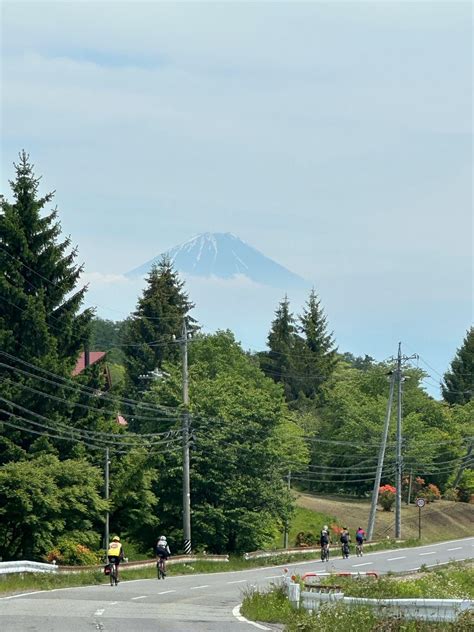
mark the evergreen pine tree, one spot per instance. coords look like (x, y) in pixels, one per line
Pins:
(40, 321)
(458, 383)
(320, 357)
(152, 332)
(278, 362)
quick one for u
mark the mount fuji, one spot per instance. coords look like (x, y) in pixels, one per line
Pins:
(223, 255)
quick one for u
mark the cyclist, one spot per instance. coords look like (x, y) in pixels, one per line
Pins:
(360, 537)
(324, 540)
(345, 540)
(162, 551)
(115, 553)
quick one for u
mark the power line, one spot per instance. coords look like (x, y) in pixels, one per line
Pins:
(122, 439)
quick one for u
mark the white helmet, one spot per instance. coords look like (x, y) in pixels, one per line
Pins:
(163, 538)
(325, 528)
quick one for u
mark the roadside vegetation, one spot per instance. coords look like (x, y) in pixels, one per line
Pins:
(454, 581)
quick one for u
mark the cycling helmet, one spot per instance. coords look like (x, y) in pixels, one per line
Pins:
(163, 537)
(325, 528)
(115, 538)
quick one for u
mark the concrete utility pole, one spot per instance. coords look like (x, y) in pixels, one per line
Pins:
(106, 469)
(399, 463)
(378, 475)
(410, 483)
(399, 457)
(287, 525)
(186, 481)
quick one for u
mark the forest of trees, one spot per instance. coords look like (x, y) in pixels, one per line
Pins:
(302, 406)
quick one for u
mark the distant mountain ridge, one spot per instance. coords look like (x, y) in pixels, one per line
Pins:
(223, 255)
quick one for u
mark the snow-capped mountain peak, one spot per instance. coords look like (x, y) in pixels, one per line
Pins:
(224, 255)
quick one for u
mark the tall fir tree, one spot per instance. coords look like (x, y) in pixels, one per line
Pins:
(283, 343)
(320, 357)
(152, 332)
(40, 317)
(458, 383)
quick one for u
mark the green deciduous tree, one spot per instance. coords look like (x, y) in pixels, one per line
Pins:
(42, 499)
(242, 446)
(458, 384)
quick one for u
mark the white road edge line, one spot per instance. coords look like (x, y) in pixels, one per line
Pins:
(391, 559)
(196, 587)
(142, 597)
(166, 592)
(237, 615)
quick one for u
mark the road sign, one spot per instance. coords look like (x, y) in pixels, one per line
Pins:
(420, 502)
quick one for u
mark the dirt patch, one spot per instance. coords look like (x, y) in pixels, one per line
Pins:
(442, 520)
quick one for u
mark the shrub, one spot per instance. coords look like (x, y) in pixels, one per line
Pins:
(431, 493)
(387, 495)
(451, 494)
(72, 553)
(305, 539)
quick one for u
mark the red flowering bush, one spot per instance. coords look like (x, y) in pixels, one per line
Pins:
(387, 494)
(432, 493)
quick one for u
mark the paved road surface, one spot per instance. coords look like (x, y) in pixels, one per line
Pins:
(198, 603)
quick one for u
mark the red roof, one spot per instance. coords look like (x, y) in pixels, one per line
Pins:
(94, 356)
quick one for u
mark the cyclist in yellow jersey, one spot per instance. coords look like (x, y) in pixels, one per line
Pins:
(115, 553)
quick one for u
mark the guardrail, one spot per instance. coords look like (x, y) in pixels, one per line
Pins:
(433, 610)
(298, 550)
(24, 566)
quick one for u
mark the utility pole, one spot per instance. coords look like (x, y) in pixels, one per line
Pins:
(399, 457)
(287, 525)
(465, 462)
(186, 481)
(106, 535)
(378, 475)
(399, 464)
(410, 482)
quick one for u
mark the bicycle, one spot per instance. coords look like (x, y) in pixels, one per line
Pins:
(325, 552)
(345, 551)
(113, 574)
(161, 568)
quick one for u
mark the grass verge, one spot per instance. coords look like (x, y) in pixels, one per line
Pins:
(454, 581)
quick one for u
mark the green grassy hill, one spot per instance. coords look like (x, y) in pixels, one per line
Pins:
(441, 520)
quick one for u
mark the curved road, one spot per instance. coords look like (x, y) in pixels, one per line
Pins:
(201, 603)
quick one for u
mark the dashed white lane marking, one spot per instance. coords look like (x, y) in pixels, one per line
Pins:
(237, 615)
(113, 603)
(196, 587)
(142, 597)
(364, 564)
(165, 592)
(99, 612)
(456, 548)
(239, 581)
(391, 559)
(428, 553)
(273, 577)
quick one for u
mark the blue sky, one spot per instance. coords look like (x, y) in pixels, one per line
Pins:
(334, 137)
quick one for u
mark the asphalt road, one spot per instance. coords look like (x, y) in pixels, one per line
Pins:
(198, 603)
